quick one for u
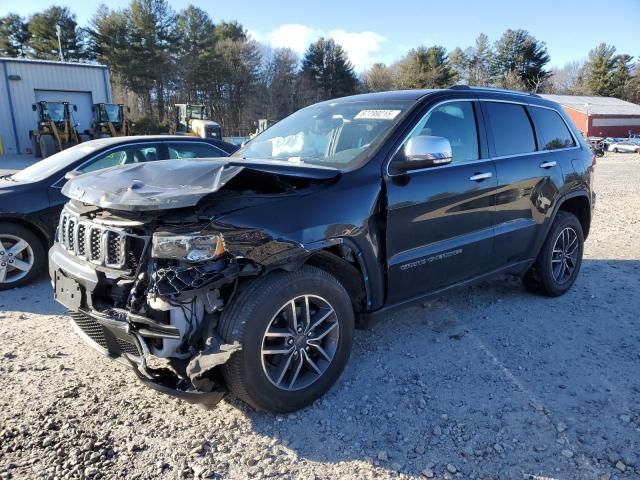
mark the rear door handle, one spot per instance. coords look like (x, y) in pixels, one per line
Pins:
(550, 164)
(478, 177)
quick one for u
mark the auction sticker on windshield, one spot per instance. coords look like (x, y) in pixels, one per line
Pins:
(377, 114)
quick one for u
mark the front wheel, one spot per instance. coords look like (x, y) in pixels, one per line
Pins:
(295, 329)
(558, 263)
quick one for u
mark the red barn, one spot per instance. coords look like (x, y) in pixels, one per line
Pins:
(600, 116)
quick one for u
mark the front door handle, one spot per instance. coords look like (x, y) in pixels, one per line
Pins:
(478, 177)
(550, 164)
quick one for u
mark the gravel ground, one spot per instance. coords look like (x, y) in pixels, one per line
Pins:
(487, 382)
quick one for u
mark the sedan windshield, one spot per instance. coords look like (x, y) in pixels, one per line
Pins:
(59, 162)
(331, 134)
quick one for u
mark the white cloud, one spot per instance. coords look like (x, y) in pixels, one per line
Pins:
(363, 48)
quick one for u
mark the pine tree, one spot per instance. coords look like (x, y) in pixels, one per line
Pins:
(327, 71)
(43, 41)
(425, 68)
(14, 36)
(519, 55)
(600, 70)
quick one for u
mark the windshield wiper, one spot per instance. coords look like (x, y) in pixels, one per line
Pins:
(8, 177)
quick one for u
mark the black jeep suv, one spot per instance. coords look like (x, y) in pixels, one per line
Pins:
(249, 273)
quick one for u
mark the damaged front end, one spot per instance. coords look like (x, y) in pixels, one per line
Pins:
(130, 300)
(145, 265)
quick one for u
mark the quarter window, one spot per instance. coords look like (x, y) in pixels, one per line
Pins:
(512, 130)
(455, 121)
(554, 131)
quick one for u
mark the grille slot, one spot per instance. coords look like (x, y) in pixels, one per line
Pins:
(81, 247)
(96, 243)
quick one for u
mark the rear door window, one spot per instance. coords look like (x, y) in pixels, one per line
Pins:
(121, 156)
(194, 150)
(554, 131)
(512, 129)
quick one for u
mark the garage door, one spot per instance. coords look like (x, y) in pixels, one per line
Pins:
(82, 100)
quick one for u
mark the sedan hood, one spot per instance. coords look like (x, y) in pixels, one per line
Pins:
(169, 184)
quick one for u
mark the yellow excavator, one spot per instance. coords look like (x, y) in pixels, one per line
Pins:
(109, 120)
(55, 131)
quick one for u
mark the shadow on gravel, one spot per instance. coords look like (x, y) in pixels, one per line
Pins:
(490, 380)
(34, 298)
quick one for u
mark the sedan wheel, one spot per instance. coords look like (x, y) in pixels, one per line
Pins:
(22, 256)
(16, 258)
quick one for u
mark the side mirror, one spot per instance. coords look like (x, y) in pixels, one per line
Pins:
(33, 107)
(423, 151)
(75, 108)
(71, 174)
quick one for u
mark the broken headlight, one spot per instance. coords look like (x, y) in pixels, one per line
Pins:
(190, 248)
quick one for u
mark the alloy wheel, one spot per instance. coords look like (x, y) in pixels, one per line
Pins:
(564, 257)
(300, 342)
(16, 258)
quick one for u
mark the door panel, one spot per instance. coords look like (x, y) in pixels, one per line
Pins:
(440, 228)
(440, 219)
(528, 181)
(526, 192)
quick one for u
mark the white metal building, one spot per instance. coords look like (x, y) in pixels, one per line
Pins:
(25, 82)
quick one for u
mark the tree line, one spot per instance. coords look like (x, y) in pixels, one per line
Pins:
(158, 57)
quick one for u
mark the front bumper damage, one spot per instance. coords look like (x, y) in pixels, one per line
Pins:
(129, 338)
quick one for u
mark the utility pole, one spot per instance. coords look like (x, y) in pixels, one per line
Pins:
(588, 106)
(59, 33)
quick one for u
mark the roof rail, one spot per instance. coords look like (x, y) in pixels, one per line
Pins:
(493, 89)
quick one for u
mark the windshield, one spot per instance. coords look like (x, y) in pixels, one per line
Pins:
(196, 111)
(331, 134)
(56, 163)
(53, 111)
(112, 113)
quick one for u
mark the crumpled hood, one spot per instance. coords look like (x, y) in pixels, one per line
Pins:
(169, 184)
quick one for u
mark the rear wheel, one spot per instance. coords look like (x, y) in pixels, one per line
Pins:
(560, 258)
(47, 145)
(295, 329)
(22, 256)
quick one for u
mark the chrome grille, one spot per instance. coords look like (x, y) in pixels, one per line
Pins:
(96, 243)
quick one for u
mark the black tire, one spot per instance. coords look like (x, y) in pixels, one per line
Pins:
(251, 313)
(35, 147)
(47, 145)
(541, 277)
(38, 251)
(615, 150)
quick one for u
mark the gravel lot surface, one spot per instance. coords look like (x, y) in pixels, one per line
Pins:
(486, 382)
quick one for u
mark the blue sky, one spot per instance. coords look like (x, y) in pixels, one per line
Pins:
(377, 30)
